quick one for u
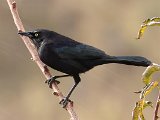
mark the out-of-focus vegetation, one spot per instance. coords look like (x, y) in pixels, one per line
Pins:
(155, 21)
(106, 92)
(150, 84)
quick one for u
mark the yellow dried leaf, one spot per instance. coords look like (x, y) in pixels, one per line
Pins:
(141, 31)
(147, 75)
(155, 21)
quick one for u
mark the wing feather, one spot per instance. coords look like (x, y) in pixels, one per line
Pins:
(80, 52)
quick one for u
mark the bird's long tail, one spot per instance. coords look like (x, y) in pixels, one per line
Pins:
(129, 60)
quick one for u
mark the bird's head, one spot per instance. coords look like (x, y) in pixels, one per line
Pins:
(37, 36)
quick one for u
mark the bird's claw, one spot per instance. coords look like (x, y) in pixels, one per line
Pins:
(52, 80)
(64, 102)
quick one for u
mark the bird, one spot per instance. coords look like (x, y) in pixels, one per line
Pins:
(72, 57)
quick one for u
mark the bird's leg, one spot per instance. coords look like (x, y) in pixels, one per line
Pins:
(65, 100)
(53, 79)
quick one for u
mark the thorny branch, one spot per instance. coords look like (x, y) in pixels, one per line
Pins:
(32, 50)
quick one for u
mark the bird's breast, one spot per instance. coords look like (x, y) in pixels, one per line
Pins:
(47, 55)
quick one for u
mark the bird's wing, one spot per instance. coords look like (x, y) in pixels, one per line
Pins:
(80, 52)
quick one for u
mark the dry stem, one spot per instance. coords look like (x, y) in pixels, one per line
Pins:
(157, 108)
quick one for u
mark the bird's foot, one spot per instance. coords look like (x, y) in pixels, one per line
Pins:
(65, 101)
(52, 80)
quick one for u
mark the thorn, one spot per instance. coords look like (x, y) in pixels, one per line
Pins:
(71, 102)
(157, 117)
(45, 69)
(46, 81)
(137, 92)
(19, 31)
(33, 58)
(13, 4)
(55, 93)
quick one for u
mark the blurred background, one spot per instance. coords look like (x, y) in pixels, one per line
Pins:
(106, 92)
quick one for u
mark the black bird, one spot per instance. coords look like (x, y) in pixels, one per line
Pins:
(72, 58)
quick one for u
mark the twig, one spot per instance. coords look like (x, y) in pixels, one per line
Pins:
(32, 50)
(157, 108)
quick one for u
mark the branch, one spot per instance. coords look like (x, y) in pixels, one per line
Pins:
(33, 51)
(157, 108)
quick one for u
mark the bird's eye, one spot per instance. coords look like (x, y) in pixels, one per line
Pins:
(36, 34)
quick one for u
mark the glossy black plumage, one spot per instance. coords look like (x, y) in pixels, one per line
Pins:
(71, 57)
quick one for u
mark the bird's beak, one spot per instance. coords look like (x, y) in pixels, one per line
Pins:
(27, 34)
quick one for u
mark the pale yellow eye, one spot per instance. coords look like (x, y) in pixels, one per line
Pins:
(36, 34)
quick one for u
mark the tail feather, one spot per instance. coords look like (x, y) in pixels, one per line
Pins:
(129, 60)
